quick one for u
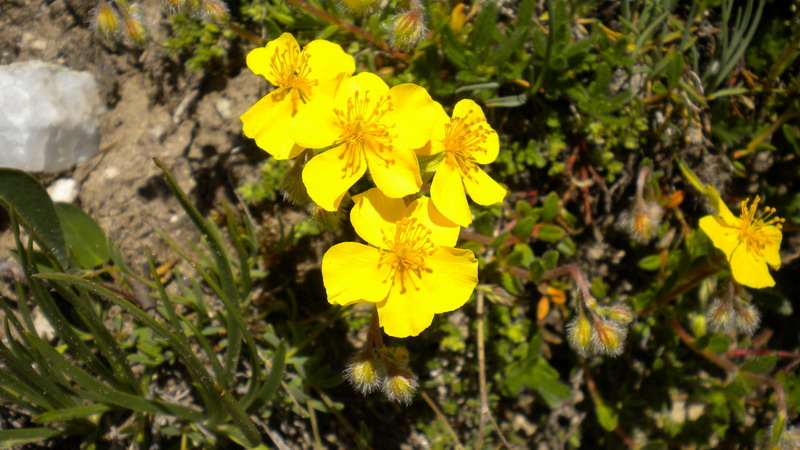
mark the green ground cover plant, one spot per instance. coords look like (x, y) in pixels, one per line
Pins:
(633, 286)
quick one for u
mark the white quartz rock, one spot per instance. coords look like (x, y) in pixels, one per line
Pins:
(48, 116)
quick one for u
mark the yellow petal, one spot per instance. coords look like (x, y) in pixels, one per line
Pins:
(750, 270)
(374, 216)
(772, 252)
(351, 273)
(395, 171)
(366, 82)
(260, 60)
(447, 193)
(472, 112)
(723, 236)
(413, 113)
(482, 189)
(404, 314)
(443, 230)
(438, 122)
(330, 174)
(315, 124)
(327, 60)
(410, 306)
(268, 123)
(453, 277)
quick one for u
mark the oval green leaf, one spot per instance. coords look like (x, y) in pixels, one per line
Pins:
(86, 241)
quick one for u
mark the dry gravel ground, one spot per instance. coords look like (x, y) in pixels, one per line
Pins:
(154, 109)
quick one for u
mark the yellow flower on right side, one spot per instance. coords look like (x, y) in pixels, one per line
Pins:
(466, 140)
(750, 242)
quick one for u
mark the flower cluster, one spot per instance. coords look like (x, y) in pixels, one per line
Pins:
(341, 126)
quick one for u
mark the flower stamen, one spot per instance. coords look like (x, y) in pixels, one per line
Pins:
(290, 68)
(407, 251)
(752, 226)
(364, 130)
(463, 137)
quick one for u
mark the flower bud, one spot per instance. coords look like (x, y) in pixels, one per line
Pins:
(619, 313)
(105, 20)
(134, 29)
(407, 29)
(329, 220)
(215, 11)
(579, 334)
(364, 372)
(608, 337)
(642, 222)
(747, 317)
(292, 184)
(174, 5)
(721, 315)
(362, 7)
(400, 386)
(399, 356)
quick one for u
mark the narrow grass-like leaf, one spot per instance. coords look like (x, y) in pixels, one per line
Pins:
(54, 315)
(270, 387)
(67, 414)
(229, 291)
(10, 438)
(105, 341)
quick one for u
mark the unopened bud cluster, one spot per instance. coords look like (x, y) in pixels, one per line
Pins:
(210, 10)
(725, 314)
(600, 332)
(388, 371)
(117, 20)
(113, 19)
(405, 29)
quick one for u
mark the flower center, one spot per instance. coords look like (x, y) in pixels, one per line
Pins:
(289, 67)
(407, 251)
(363, 127)
(752, 230)
(462, 138)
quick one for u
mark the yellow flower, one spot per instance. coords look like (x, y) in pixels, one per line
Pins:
(467, 140)
(366, 125)
(750, 242)
(299, 77)
(410, 270)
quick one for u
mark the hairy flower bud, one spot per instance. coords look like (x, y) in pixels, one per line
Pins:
(134, 29)
(365, 372)
(620, 313)
(400, 386)
(105, 21)
(641, 223)
(608, 337)
(579, 334)
(407, 29)
(747, 317)
(721, 315)
(292, 184)
(362, 7)
(215, 11)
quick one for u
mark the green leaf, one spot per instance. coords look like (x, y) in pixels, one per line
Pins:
(67, 414)
(550, 207)
(545, 380)
(761, 365)
(29, 199)
(86, 241)
(550, 233)
(652, 262)
(606, 415)
(524, 228)
(10, 438)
